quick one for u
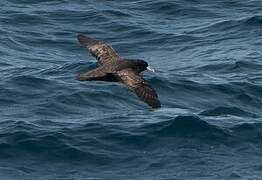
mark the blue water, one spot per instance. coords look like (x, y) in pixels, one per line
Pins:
(208, 60)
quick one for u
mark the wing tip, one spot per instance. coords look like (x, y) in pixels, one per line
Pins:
(80, 36)
(86, 41)
(156, 106)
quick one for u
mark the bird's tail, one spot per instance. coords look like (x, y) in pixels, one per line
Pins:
(96, 75)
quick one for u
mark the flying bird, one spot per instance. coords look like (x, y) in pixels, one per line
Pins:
(113, 68)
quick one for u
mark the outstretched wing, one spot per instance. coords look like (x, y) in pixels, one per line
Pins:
(140, 86)
(103, 52)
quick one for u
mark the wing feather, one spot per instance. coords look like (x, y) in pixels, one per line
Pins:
(140, 86)
(103, 52)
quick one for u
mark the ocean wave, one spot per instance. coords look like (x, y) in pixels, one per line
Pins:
(218, 111)
(254, 21)
(188, 127)
(22, 138)
(244, 66)
(232, 29)
(81, 142)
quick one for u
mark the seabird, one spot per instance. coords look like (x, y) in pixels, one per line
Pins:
(113, 68)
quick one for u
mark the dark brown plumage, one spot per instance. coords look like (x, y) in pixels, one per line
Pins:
(113, 68)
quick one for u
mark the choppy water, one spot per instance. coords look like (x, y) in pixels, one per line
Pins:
(207, 57)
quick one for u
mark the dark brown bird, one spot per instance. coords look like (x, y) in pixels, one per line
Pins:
(113, 68)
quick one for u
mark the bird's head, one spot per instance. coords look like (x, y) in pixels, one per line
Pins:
(142, 65)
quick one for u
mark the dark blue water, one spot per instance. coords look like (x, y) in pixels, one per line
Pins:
(208, 60)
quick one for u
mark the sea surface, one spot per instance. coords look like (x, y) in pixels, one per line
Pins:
(208, 61)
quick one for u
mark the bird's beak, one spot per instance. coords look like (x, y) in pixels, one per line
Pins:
(149, 69)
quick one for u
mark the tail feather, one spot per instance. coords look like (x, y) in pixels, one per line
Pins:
(96, 75)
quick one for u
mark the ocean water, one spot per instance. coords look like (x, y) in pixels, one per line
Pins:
(208, 60)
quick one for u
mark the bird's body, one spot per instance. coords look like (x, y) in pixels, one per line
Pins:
(108, 72)
(113, 68)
